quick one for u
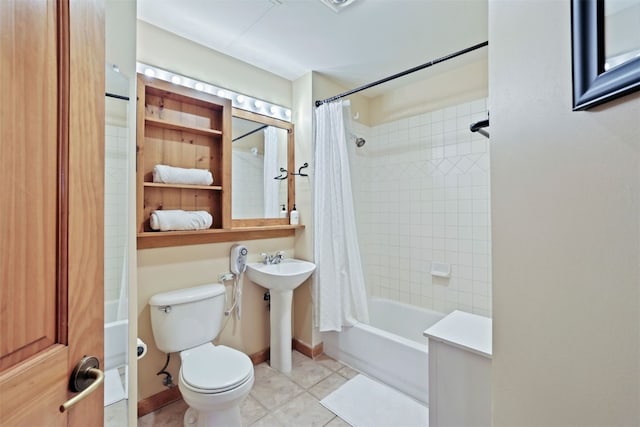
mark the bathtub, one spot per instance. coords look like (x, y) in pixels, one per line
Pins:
(391, 348)
(115, 337)
(115, 355)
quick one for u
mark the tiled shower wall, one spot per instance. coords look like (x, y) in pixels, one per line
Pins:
(115, 206)
(247, 182)
(421, 190)
(248, 175)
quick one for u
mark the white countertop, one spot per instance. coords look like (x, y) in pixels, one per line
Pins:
(463, 330)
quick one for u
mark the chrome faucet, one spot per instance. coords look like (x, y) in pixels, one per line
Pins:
(272, 259)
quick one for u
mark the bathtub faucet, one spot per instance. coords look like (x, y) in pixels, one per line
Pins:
(272, 259)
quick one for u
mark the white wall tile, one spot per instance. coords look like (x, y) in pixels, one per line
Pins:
(422, 194)
(115, 208)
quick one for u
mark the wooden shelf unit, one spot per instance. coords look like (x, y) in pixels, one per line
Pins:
(177, 126)
(185, 186)
(154, 239)
(182, 127)
(186, 128)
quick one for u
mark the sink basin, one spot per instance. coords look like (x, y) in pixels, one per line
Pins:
(281, 279)
(285, 276)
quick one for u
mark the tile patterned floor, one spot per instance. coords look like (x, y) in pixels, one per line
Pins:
(115, 415)
(279, 400)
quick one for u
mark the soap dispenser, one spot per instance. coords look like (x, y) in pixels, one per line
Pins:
(294, 218)
(283, 212)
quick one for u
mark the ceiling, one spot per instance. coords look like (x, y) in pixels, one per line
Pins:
(367, 41)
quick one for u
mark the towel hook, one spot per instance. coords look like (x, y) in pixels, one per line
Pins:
(281, 177)
(286, 173)
(306, 165)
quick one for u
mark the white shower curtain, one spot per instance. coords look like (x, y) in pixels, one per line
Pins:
(340, 296)
(271, 186)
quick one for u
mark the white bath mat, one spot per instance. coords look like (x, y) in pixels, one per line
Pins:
(365, 403)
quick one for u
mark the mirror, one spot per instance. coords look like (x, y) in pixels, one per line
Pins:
(117, 156)
(261, 147)
(621, 32)
(606, 45)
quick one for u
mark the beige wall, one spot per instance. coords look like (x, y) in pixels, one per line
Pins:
(445, 85)
(449, 85)
(566, 232)
(302, 119)
(165, 269)
(324, 87)
(120, 29)
(165, 50)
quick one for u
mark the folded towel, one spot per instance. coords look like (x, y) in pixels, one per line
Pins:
(180, 220)
(172, 175)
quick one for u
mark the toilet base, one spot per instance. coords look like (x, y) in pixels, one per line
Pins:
(214, 410)
(226, 417)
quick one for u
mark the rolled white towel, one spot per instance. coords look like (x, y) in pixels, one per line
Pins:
(173, 175)
(180, 220)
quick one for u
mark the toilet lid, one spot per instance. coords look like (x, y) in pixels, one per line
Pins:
(215, 368)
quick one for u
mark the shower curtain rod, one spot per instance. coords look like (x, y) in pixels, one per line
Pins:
(249, 133)
(113, 95)
(403, 73)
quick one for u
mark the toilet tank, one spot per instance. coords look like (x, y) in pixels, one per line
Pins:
(187, 318)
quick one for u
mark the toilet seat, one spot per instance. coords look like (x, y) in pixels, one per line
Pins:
(215, 369)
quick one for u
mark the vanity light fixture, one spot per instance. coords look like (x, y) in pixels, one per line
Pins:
(238, 100)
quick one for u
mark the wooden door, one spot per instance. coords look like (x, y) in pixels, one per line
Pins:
(51, 215)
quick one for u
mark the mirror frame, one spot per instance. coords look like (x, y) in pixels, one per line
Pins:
(591, 84)
(291, 195)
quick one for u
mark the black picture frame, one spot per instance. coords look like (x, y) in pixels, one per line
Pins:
(592, 85)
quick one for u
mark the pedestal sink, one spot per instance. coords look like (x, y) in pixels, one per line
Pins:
(281, 279)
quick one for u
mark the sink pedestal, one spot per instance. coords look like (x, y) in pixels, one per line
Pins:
(281, 279)
(280, 322)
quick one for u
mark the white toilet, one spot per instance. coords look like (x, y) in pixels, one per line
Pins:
(213, 379)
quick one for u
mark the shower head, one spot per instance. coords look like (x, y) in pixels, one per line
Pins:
(360, 142)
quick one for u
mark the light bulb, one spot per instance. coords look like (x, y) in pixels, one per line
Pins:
(274, 110)
(221, 94)
(176, 80)
(240, 99)
(287, 113)
(149, 72)
(257, 103)
(199, 86)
